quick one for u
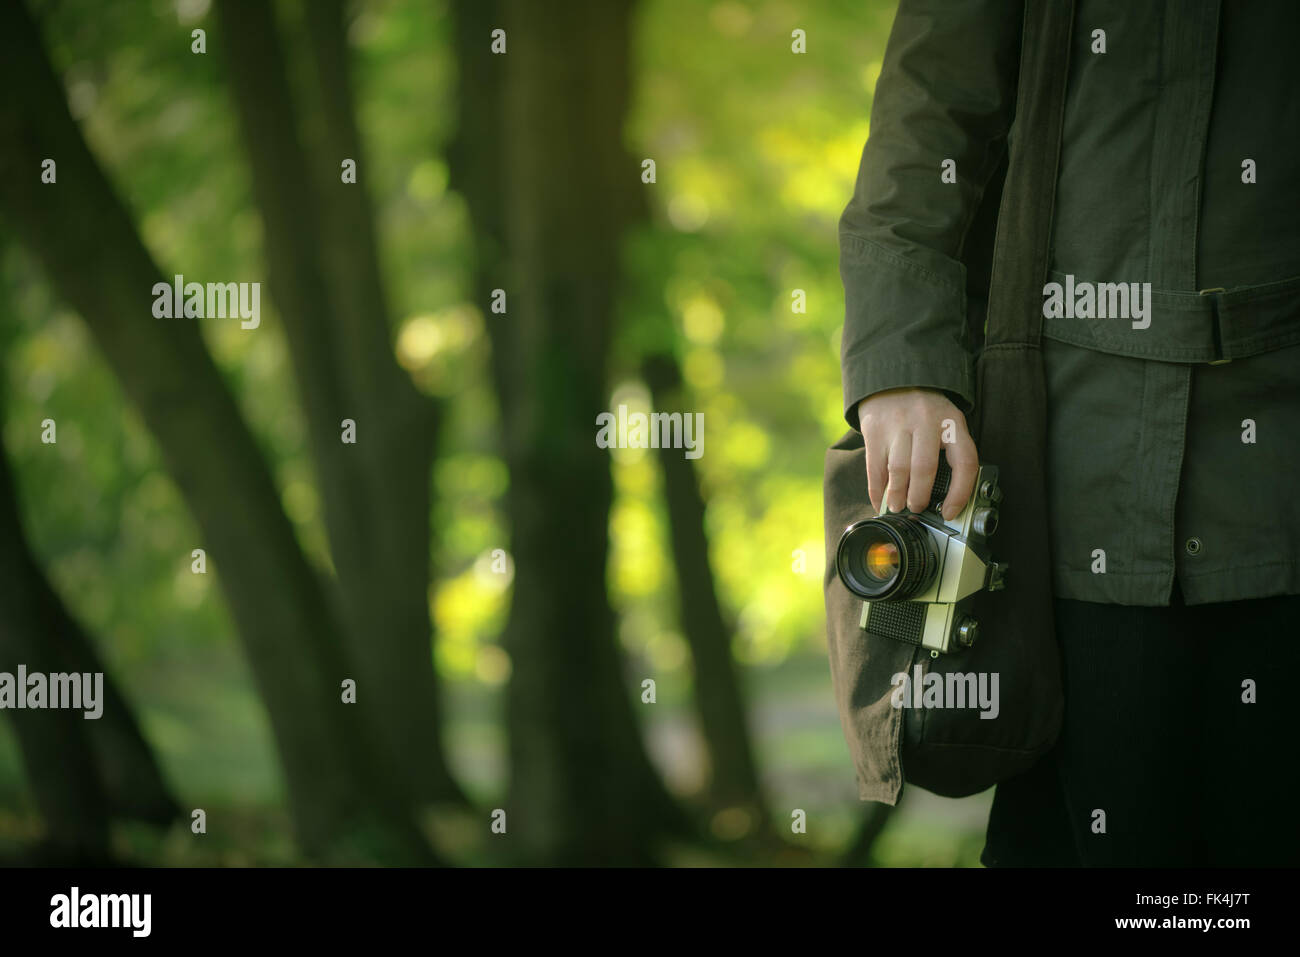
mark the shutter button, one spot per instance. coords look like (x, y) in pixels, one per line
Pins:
(1193, 546)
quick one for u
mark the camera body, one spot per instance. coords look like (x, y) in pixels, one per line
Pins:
(916, 572)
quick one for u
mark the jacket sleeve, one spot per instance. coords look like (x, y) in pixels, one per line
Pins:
(946, 92)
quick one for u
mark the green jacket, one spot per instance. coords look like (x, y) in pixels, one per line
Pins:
(1173, 426)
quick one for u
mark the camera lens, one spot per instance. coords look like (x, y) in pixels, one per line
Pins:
(889, 558)
(882, 561)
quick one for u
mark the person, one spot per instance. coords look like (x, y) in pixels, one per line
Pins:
(1171, 352)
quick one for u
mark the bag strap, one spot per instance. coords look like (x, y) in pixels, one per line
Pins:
(1024, 233)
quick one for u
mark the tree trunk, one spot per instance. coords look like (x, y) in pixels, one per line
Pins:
(539, 159)
(82, 772)
(859, 852)
(734, 781)
(61, 770)
(340, 795)
(321, 251)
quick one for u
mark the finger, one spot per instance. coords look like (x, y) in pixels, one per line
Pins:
(925, 466)
(877, 455)
(964, 462)
(897, 470)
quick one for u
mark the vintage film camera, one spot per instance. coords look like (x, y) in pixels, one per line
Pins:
(915, 571)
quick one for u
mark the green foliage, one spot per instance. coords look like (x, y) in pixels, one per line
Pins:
(756, 149)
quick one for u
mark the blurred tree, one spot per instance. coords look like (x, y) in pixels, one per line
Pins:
(83, 773)
(749, 184)
(321, 254)
(734, 780)
(860, 849)
(540, 161)
(347, 799)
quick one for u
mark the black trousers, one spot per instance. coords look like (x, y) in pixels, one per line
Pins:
(1160, 761)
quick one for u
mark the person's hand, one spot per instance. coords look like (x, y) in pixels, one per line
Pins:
(903, 430)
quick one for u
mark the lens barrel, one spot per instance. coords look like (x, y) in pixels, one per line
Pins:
(887, 558)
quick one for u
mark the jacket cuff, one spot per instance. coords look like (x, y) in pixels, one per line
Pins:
(904, 323)
(867, 376)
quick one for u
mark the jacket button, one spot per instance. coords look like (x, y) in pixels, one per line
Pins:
(1193, 546)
